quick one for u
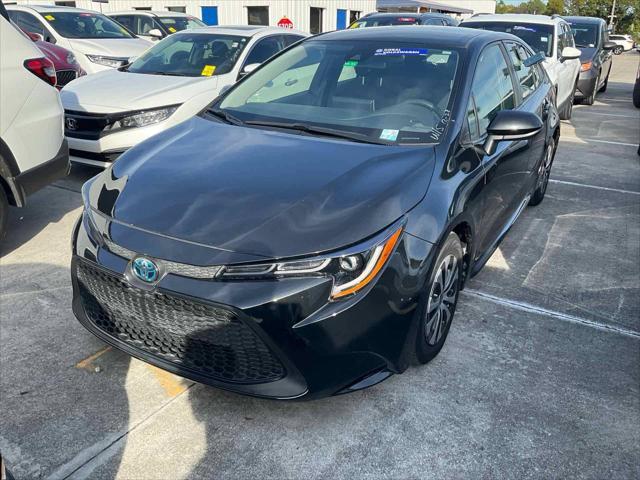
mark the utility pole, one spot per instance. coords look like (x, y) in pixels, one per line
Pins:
(612, 16)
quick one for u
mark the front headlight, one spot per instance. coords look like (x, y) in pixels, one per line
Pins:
(141, 119)
(113, 62)
(351, 272)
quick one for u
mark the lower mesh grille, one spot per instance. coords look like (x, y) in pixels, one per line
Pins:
(209, 340)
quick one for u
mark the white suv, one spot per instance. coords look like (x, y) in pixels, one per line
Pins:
(552, 37)
(97, 41)
(33, 151)
(107, 113)
(624, 42)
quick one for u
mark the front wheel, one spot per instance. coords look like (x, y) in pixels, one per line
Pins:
(618, 50)
(603, 88)
(567, 109)
(544, 174)
(592, 97)
(439, 306)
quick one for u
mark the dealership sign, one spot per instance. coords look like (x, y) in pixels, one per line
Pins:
(285, 23)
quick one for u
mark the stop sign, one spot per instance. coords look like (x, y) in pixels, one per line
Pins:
(285, 23)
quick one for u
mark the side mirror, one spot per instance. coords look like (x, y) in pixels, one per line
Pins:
(511, 125)
(36, 37)
(155, 33)
(249, 68)
(569, 53)
(609, 45)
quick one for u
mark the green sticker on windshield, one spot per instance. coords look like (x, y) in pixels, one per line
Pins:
(351, 63)
(390, 135)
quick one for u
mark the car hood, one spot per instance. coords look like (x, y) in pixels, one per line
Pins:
(110, 47)
(261, 192)
(115, 91)
(587, 53)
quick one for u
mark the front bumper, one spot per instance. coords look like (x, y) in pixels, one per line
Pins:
(269, 338)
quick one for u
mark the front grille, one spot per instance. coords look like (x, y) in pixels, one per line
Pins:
(65, 76)
(88, 126)
(211, 341)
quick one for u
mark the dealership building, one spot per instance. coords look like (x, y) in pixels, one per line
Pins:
(314, 16)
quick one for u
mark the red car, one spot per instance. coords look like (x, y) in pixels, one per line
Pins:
(67, 68)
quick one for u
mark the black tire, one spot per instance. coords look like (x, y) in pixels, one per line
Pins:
(4, 213)
(441, 296)
(544, 174)
(603, 88)
(636, 93)
(588, 100)
(618, 50)
(567, 109)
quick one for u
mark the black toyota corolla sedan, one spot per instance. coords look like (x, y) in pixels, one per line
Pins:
(309, 232)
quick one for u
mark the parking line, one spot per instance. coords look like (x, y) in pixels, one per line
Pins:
(636, 117)
(585, 141)
(597, 187)
(526, 307)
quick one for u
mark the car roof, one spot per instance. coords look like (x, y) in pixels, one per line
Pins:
(244, 30)
(577, 19)
(452, 37)
(515, 17)
(403, 14)
(49, 8)
(151, 13)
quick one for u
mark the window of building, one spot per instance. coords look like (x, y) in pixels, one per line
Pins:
(315, 24)
(353, 16)
(142, 8)
(66, 4)
(258, 15)
(177, 9)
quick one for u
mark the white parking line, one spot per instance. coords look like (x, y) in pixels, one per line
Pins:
(589, 112)
(597, 187)
(585, 141)
(526, 307)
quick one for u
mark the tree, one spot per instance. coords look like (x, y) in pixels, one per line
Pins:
(555, 7)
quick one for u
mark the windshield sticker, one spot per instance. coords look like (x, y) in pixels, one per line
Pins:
(50, 17)
(351, 63)
(544, 39)
(172, 30)
(208, 70)
(390, 135)
(439, 129)
(388, 52)
(520, 27)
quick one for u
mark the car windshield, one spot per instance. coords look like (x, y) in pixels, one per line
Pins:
(191, 55)
(385, 21)
(539, 37)
(382, 92)
(85, 25)
(177, 24)
(585, 35)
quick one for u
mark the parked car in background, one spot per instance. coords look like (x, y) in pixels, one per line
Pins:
(592, 38)
(550, 36)
(402, 18)
(98, 42)
(624, 43)
(33, 151)
(310, 237)
(106, 114)
(156, 25)
(65, 63)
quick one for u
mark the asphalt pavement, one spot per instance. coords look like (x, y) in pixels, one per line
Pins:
(540, 376)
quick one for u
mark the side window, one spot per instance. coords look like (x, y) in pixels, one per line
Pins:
(145, 25)
(264, 49)
(31, 24)
(492, 86)
(570, 40)
(126, 20)
(527, 76)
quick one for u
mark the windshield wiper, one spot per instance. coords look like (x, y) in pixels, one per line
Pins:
(169, 74)
(224, 115)
(327, 132)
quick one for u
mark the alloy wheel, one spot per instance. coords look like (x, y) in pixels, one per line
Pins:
(442, 300)
(546, 167)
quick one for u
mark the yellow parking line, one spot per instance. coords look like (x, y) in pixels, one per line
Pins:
(86, 364)
(172, 384)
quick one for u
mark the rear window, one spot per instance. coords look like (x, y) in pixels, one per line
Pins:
(385, 21)
(539, 37)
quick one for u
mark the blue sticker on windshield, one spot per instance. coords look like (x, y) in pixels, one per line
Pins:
(390, 135)
(388, 52)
